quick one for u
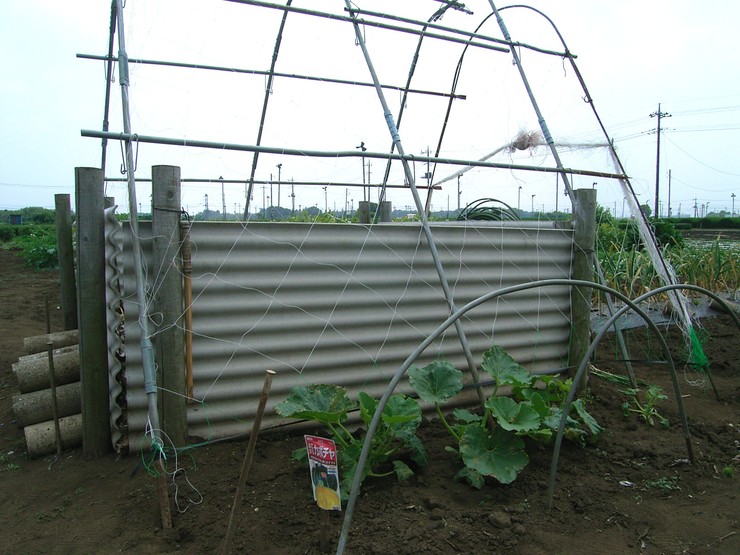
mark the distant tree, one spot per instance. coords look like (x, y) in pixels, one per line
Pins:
(603, 216)
(37, 215)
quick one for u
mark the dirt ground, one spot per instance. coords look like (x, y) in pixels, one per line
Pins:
(632, 491)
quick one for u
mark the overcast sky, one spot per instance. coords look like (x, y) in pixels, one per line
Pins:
(632, 55)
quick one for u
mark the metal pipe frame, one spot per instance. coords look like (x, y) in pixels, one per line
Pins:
(336, 17)
(336, 154)
(260, 72)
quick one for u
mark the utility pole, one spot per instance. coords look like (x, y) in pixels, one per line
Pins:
(458, 194)
(292, 196)
(428, 174)
(732, 196)
(362, 149)
(279, 167)
(669, 193)
(223, 198)
(326, 200)
(659, 115)
(519, 199)
(533, 203)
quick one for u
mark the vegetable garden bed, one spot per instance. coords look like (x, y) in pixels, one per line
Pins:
(629, 491)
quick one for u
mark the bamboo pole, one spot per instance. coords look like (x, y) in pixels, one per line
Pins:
(147, 349)
(187, 286)
(269, 374)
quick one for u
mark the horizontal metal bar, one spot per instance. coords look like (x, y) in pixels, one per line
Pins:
(345, 18)
(336, 154)
(268, 182)
(464, 33)
(188, 65)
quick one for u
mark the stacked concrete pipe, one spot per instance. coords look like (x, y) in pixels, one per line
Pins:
(33, 406)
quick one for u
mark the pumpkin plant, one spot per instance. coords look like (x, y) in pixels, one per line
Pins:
(647, 409)
(329, 405)
(491, 444)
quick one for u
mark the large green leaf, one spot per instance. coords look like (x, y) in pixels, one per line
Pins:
(543, 435)
(465, 416)
(513, 416)
(500, 454)
(348, 458)
(436, 382)
(588, 420)
(368, 405)
(399, 414)
(327, 404)
(418, 453)
(402, 470)
(538, 402)
(401, 410)
(504, 369)
(472, 477)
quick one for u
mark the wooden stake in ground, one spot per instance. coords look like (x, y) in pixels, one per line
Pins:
(248, 458)
(164, 500)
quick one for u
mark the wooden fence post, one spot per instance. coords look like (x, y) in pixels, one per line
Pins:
(65, 255)
(584, 249)
(96, 439)
(169, 338)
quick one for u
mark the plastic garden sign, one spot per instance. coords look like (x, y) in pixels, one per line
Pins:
(322, 464)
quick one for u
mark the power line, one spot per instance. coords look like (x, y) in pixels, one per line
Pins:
(700, 162)
(707, 111)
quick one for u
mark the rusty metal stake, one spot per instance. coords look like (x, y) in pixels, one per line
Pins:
(53, 388)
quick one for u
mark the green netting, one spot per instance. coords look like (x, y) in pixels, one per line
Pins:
(697, 358)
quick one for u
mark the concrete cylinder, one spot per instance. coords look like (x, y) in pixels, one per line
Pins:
(45, 355)
(363, 212)
(35, 407)
(33, 373)
(40, 438)
(38, 343)
(385, 214)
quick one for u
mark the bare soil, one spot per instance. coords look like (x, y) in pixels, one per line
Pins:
(632, 491)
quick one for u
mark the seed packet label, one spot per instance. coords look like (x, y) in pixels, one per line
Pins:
(322, 465)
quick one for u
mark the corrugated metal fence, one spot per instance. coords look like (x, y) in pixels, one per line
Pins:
(346, 304)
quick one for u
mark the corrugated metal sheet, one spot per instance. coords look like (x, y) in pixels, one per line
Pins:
(114, 322)
(346, 304)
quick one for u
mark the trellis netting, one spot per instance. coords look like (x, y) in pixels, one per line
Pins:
(288, 103)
